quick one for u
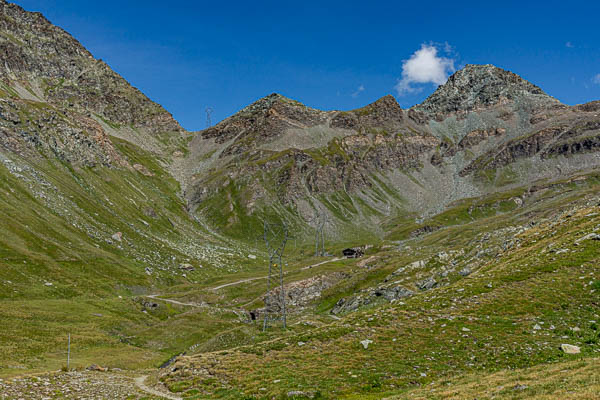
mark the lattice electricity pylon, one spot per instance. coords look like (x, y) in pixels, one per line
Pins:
(209, 111)
(275, 237)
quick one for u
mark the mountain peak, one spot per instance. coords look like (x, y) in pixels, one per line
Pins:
(265, 103)
(479, 86)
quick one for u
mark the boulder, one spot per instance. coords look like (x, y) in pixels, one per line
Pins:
(186, 267)
(142, 170)
(394, 293)
(570, 349)
(427, 284)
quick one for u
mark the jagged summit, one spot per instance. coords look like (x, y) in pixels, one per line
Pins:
(265, 103)
(479, 86)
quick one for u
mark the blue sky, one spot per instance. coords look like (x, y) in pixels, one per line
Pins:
(188, 55)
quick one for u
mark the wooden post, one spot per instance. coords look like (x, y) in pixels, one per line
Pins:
(69, 352)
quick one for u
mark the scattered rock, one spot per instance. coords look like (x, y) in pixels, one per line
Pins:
(117, 236)
(417, 264)
(96, 367)
(150, 212)
(252, 256)
(427, 284)
(365, 263)
(349, 304)
(170, 361)
(570, 349)
(365, 343)
(301, 293)
(589, 236)
(299, 393)
(186, 267)
(150, 305)
(142, 170)
(394, 293)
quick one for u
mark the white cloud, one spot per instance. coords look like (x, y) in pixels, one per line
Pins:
(360, 89)
(424, 66)
(596, 79)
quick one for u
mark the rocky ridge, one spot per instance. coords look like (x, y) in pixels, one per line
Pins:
(476, 134)
(45, 69)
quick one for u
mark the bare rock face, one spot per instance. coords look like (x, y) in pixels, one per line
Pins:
(384, 114)
(55, 67)
(480, 86)
(300, 294)
(262, 121)
(58, 100)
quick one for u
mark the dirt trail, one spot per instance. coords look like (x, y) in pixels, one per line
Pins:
(155, 297)
(239, 313)
(238, 282)
(140, 383)
(265, 277)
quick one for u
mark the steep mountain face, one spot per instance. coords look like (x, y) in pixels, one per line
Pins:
(84, 168)
(483, 131)
(280, 157)
(50, 76)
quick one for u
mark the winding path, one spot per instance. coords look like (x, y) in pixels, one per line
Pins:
(238, 282)
(140, 382)
(197, 305)
(265, 277)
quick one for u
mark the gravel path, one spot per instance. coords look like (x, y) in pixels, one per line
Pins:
(265, 277)
(140, 383)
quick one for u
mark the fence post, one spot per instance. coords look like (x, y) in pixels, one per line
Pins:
(69, 352)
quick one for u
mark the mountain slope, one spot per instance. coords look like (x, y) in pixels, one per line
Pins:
(43, 63)
(142, 241)
(91, 216)
(483, 131)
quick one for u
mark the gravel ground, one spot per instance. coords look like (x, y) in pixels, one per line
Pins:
(73, 385)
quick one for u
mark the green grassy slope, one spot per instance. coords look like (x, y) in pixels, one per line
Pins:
(513, 311)
(61, 271)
